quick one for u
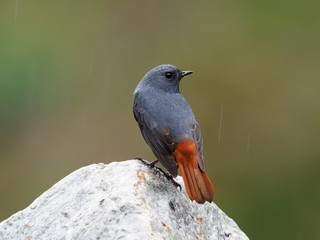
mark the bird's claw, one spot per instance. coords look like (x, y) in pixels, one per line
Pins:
(158, 169)
(149, 164)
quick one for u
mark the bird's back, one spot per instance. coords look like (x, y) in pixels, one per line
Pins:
(169, 110)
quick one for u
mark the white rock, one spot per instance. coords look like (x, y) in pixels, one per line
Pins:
(121, 200)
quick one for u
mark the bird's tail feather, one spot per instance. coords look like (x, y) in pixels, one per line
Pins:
(197, 183)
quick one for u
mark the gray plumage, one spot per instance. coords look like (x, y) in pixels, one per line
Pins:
(164, 116)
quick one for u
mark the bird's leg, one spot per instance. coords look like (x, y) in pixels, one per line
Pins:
(149, 164)
(158, 169)
(168, 176)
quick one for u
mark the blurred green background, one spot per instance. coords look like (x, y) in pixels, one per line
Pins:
(68, 70)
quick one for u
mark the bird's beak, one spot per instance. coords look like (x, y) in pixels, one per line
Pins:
(185, 73)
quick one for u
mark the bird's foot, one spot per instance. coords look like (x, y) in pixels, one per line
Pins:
(158, 169)
(168, 176)
(149, 164)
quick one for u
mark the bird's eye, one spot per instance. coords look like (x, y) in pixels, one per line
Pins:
(169, 75)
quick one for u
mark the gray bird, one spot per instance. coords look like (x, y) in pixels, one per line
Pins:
(170, 128)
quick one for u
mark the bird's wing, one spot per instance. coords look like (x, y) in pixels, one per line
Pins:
(159, 138)
(198, 141)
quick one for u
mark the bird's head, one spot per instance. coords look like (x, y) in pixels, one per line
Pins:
(164, 77)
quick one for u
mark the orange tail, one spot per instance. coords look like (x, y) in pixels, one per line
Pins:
(198, 185)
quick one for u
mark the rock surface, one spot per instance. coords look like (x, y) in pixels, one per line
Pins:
(121, 200)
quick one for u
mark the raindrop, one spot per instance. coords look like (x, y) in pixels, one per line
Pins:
(220, 123)
(91, 64)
